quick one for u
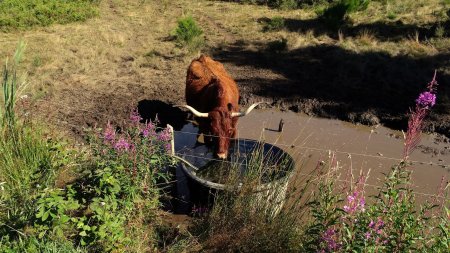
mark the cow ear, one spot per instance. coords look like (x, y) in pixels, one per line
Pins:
(230, 107)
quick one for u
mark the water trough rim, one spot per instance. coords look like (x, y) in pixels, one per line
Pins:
(219, 186)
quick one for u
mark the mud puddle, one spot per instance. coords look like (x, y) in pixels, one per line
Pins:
(357, 147)
(309, 140)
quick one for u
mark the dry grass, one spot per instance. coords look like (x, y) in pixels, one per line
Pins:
(89, 72)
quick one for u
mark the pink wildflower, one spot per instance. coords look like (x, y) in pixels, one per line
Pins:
(355, 202)
(149, 129)
(122, 145)
(168, 147)
(426, 99)
(165, 135)
(424, 102)
(109, 134)
(135, 117)
(329, 237)
(375, 228)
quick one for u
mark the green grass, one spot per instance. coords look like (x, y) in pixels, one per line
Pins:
(34, 245)
(113, 199)
(274, 24)
(23, 14)
(29, 160)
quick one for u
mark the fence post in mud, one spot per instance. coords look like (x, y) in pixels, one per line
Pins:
(172, 140)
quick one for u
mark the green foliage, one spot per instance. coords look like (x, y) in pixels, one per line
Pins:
(440, 31)
(127, 167)
(118, 181)
(189, 34)
(392, 222)
(28, 160)
(274, 24)
(53, 207)
(323, 208)
(35, 245)
(11, 89)
(283, 4)
(337, 13)
(22, 14)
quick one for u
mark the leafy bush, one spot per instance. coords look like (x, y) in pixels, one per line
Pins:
(336, 14)
(283, 4)
(122, 181)
(24, 14)
(188, 34)
(274, 24)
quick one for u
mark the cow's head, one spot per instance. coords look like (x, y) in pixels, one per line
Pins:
(221, 126)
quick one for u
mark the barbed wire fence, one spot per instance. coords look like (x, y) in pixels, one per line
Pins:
(303, 147)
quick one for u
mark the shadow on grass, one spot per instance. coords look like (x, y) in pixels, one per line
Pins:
(381, 30)
(334, 82)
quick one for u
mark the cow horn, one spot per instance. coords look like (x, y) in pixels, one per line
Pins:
(242, 114)
(195, 112)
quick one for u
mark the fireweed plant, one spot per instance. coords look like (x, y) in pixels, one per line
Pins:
(389, 221)
(119, 187)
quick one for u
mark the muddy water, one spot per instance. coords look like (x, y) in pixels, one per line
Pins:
(309, 140)
(359, 148)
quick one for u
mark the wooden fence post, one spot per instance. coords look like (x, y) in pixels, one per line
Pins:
(172, 141)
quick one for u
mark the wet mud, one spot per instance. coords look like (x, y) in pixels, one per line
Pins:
(309, 140)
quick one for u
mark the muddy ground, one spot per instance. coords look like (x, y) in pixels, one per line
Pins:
(85, 74)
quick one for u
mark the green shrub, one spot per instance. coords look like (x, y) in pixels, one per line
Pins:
(189, 34)
(21, 14)
(119, 182)
(283, 4)
(274, 24)
(337, 13)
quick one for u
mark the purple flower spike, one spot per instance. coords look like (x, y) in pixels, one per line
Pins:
(110, 134)
(148, 130)
(329, 237)
(135, 117)
(426, 99)
(165, 135)
(355, 202)
(122, 145)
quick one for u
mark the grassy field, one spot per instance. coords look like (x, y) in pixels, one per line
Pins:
(20, 14)
(126, 54)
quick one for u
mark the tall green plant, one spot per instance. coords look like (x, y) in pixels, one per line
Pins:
(11, 87)
(28, 160)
